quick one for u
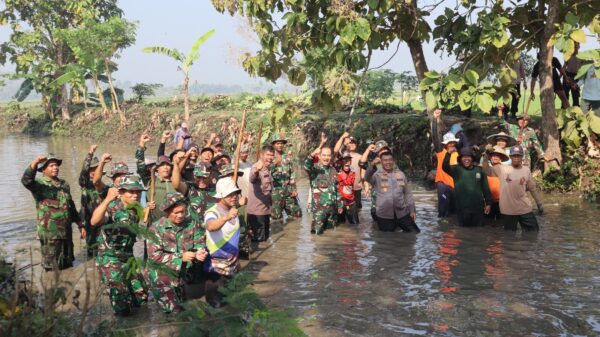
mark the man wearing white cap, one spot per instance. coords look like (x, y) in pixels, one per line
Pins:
(443, 180)
(222, 239)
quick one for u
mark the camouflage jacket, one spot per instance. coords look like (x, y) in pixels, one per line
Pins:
(54, 204)
(173, 240)
(161, 187)
(119, 228)
(90, 197)
(200, 200)
(283, 174)
(324, 184)
(142, 169)
(529, 140)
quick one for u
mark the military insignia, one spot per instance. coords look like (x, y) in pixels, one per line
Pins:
(477, 175)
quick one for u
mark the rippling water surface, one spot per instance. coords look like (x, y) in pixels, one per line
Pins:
(357, 281)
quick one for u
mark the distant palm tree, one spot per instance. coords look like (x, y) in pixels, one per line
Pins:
(185, 63)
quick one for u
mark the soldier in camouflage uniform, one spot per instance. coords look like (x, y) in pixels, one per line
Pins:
(326, 200)
(162, 183)
(55, 212)
(284, 194)
(524, 135)
(198, 193)
(117, 215)
(180, 244)
(91, 197)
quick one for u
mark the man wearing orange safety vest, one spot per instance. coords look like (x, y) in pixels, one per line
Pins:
(443, 181)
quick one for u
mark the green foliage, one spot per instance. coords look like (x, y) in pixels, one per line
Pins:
(36, 46)
(456, 89)
(576, 127)
(144, 89)
(315, 39)
(379, 84)
(185, 61)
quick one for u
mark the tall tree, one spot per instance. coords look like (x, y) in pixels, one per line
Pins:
(328, 41)
(185, 64)
(488, 38)
(34, 47)
(95, 46)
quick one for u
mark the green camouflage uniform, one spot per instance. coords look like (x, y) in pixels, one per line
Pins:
(325, 196)
(529, 142)
(284, 183)
(161, 187)
(199, 201)
(115, 248)
(55, 213)
(166, 267)
(90, 199)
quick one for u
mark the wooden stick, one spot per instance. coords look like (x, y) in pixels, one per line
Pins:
(526, 111)
(147, 210)
(236, 163)
(258, 144)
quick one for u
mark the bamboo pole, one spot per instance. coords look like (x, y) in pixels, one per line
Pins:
(147, 210)
(258, 143)
(236, 163)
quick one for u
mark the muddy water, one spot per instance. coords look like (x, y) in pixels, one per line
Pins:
(357, 281)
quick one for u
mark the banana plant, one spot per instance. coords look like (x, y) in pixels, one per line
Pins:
(185, 64)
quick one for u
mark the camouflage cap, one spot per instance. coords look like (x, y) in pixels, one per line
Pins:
(163, 160)
(119, 168)
(130, 183)
(220, 156)
(49, 158)
(523, 116)
(380, 145)
(173, 199)
(227, 170)
(201, 171)
(345, 155)
(276, 138)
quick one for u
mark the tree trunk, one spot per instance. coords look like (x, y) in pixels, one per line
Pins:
(115, 98)
(416, 51)
(47, 106)
(64, 102)
(186, 97)
(99, 94)
(550, 132)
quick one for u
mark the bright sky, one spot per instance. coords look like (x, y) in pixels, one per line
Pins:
(178, 23)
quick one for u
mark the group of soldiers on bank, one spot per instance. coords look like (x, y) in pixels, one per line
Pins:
(186, 206)
(192, 206)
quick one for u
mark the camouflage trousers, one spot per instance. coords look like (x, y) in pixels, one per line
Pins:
(167, 290)
(323, 218)
(56, 254)
(123, 292)
(91, 238)
(283, 201)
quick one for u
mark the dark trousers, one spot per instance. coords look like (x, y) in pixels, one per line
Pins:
(445, 200)
(574, 92)
(405, 223)
(495, 212)
(213, 282)
(358, 198)
(514, 103)
(470, 219)
(260, 226)
(528, 222)
(351, 213)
